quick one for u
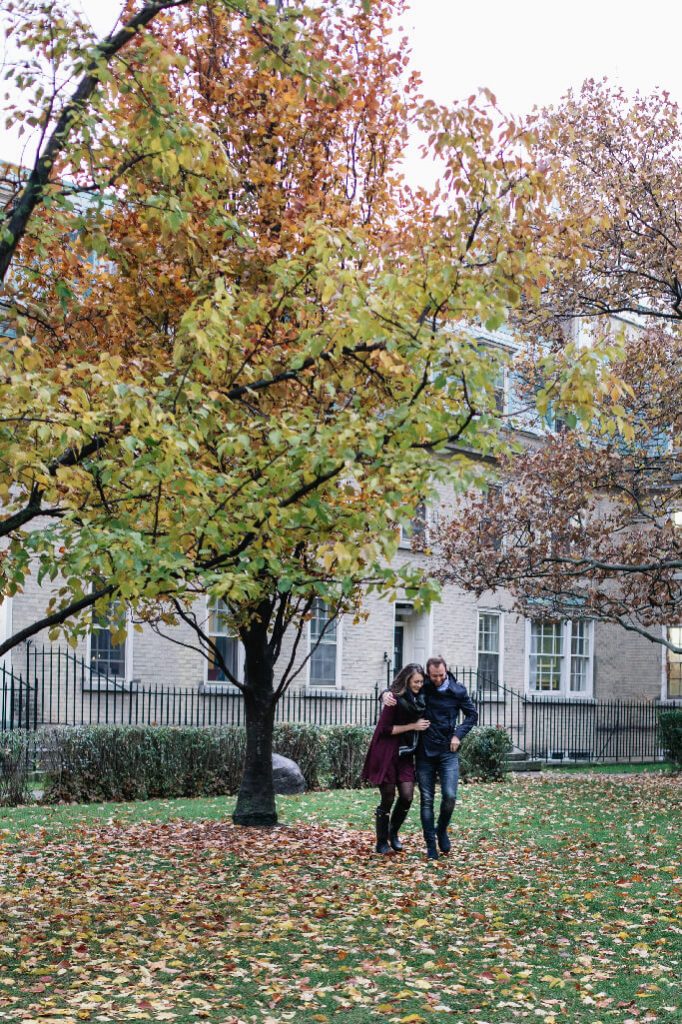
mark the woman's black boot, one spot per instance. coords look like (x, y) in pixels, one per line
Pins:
(400, 812)
(382, 818)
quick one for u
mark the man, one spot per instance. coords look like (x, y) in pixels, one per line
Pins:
(437, 751)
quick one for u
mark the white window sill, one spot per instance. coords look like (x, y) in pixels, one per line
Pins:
(324, 691)
(111, 685)
(557, 698)
(219, 689)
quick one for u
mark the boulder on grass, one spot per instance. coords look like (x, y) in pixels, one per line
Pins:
(287, 776)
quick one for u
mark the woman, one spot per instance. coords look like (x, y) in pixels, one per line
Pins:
(390, 761)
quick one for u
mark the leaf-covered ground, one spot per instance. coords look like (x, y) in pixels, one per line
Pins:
(560, 902)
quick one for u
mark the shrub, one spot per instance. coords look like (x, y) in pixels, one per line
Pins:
(94, 763)
(118, 762)
(17, 752)
(304, 744)
(670, 727)
(483, 755)
(345, 752)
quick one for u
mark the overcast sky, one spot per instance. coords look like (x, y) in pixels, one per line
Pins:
(528, 51)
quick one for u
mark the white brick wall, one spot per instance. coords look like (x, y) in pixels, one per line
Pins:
(626, 666)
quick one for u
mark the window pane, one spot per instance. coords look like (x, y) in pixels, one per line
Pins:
(217, 621)
(546, 656)
(228, 648)
(488, 671)
(106, 657)
(227, 644)
(323, 657)
(398, 647)
(489, 633)
(323, 666)
(488, 650)
(675, 664)
(580, 657)
(320, 627)
(580, 639)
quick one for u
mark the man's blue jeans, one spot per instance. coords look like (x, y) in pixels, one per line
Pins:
(444, 767)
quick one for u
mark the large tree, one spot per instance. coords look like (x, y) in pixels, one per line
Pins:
(251, 387)
(588, 521)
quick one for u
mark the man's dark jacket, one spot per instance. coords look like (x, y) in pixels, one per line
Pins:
(443, 710)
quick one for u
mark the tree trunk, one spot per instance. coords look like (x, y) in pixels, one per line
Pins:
(256, 798)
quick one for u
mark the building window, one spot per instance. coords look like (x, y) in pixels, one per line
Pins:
(226, 643)
(415, 533)
(580, 657)
(401, 626)
(675, 665)
(499, 391)
(107, 657)
(546, 656)
(323, 647)
(561, 658)
(489, 646)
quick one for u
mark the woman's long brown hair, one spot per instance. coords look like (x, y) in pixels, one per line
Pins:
(399, 684)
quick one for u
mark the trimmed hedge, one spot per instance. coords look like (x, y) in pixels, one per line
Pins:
(483, 756)
(17, 753)
(670, 725)
(345, 748)
(100, 762)
(118, 762)
(97, 763)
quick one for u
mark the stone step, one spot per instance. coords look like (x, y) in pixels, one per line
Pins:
(524, 766)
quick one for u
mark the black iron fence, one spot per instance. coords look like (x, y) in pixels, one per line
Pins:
(59, 688)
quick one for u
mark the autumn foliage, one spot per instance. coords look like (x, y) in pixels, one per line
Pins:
(586, 521)
(238, 338)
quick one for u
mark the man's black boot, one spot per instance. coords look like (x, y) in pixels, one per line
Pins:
(400, 812)
(444, 843)
(431, 850)
(382, 831)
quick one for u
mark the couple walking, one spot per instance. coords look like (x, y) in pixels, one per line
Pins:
(418, 721)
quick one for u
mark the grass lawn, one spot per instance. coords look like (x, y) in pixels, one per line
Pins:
(560, 903)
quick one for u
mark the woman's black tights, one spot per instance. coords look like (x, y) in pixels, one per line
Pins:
(405, 795)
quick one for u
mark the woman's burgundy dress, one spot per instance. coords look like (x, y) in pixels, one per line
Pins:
(383, 763)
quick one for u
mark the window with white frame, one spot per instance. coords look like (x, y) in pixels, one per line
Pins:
(500, 390)
(674, 673)
(414, 533)
(108, 656)
(323, 647)
(579, 681)
(561, 658)
(225, 643)
(489, 647)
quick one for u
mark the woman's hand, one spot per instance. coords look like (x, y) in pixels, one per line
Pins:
(421, 724)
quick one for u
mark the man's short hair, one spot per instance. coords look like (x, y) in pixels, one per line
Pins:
(438, 659)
